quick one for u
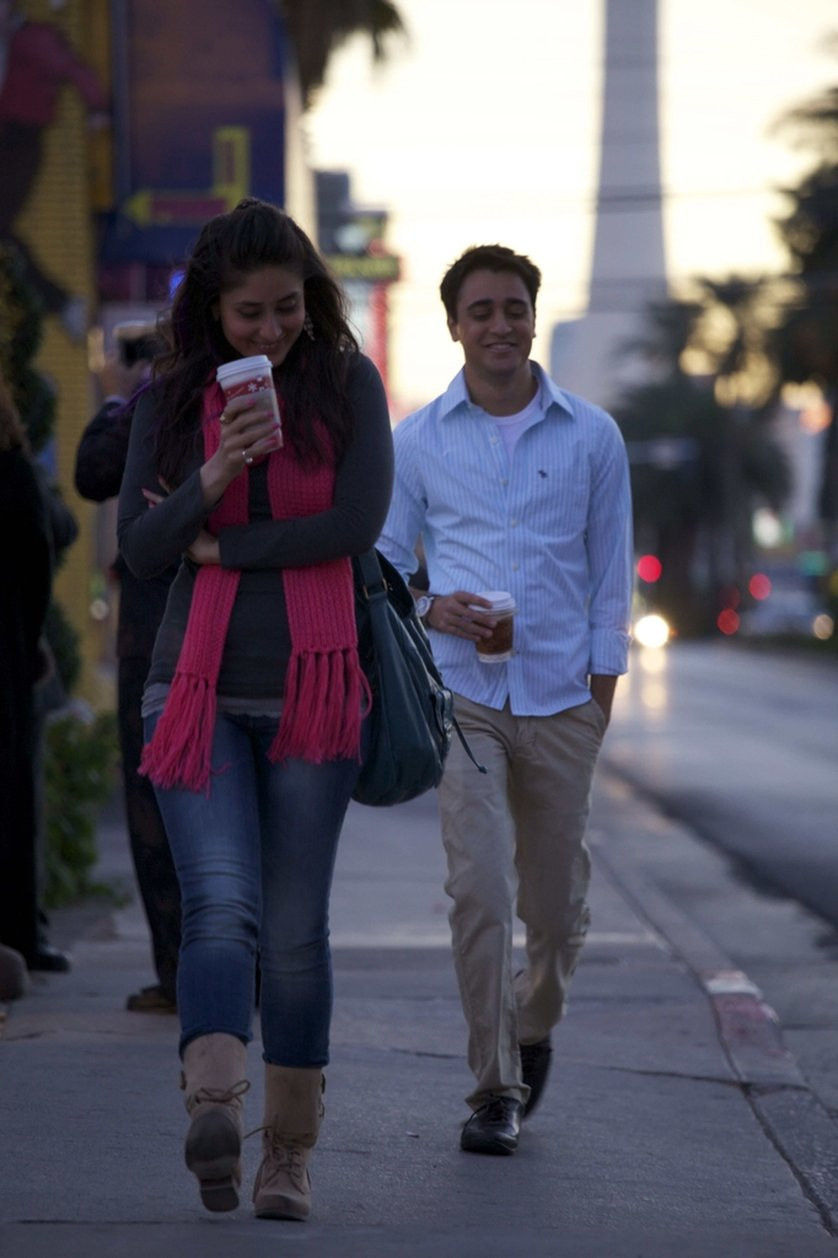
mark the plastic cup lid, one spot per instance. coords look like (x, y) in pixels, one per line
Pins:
(501, 600)
(242, 368)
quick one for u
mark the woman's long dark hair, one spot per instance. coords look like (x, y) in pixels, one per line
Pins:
(311, 382)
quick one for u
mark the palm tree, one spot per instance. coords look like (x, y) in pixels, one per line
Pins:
(317, 28)
(668, 426)
(806, 344)
(701, 450)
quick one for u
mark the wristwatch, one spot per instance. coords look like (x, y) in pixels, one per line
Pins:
(423, 606)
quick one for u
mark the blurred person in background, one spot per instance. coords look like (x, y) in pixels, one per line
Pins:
(100, 463)
(26, 581)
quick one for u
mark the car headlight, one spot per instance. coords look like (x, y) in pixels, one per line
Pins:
(651, 630)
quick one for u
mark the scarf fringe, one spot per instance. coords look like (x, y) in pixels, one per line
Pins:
(180, 750)
(326, 697)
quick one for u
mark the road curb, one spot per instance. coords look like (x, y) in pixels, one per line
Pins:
(749, 1031)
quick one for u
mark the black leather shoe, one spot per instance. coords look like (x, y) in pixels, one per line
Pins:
(494, 1127)
(50, 960)
(535, 1067)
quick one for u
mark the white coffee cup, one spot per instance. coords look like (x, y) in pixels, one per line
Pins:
(498, 648)
(251, 377)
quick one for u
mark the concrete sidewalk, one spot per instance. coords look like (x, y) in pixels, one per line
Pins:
(675, 1122)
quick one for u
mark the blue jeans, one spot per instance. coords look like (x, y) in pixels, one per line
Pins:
(254, 860)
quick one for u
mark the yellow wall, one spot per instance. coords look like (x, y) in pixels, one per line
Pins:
(57, 225)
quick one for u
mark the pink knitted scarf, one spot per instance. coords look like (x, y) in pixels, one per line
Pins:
(326, 692)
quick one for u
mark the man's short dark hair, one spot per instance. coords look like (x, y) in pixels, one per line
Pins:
(487, 258)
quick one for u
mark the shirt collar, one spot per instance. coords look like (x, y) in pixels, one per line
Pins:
(456, 394)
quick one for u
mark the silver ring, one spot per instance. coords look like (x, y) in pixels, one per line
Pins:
(248, 458)
(223, 418)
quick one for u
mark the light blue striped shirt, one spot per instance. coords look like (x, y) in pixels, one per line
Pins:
(552, 525)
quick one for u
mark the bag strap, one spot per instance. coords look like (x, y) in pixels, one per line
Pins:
(374, 586)
(481, 768)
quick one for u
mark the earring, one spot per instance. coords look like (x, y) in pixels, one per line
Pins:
(308, 326)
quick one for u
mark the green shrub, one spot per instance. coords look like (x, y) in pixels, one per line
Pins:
(80, 760)
(63, 639)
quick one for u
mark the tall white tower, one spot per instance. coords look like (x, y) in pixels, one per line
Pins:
(629, 263)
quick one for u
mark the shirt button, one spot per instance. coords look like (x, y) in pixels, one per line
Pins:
(515, 567)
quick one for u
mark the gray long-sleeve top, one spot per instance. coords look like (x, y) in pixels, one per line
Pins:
(258, 643)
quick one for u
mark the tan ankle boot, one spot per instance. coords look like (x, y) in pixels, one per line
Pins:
(214, 1082)
(293, 1110)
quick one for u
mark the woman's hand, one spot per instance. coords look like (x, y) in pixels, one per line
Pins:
(248, 433)
(204, 549)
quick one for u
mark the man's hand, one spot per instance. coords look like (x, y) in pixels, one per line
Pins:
(458, 614)
(119, 380)
(602, 692)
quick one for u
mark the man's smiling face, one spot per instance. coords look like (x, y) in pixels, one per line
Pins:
(495, 324)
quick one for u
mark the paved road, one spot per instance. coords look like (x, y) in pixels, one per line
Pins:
(739, 747)
(676, 1121)
(742, 745)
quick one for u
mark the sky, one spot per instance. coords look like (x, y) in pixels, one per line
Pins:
(483, 126)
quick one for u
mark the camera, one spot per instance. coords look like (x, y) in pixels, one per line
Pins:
(137, 342)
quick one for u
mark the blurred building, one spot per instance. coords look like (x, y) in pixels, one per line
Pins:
(191, 144)
(54, 172)
(146, 118)
(352, 239)
(628, 269)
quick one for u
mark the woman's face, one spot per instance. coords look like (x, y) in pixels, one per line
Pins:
(263, 313)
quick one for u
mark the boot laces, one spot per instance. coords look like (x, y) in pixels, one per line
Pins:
(220, 1096)
(282, 1158)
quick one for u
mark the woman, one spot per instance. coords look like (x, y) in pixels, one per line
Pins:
(254, 702)
(24, 598)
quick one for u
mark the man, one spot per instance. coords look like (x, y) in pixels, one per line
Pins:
(510, 484)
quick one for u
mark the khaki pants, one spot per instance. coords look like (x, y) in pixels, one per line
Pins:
(515, 842)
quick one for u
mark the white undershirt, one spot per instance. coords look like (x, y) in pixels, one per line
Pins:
(510, 427)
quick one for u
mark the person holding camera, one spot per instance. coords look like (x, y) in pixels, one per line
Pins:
(100, 463)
